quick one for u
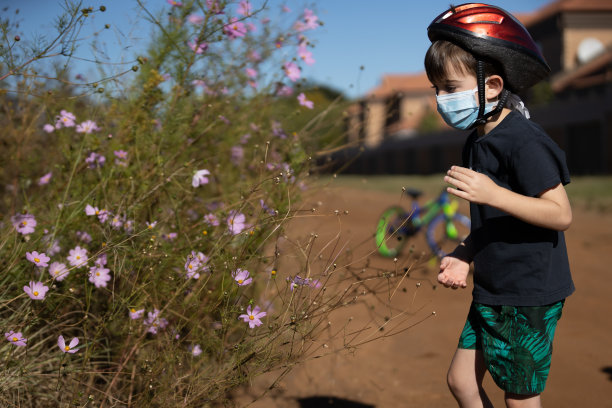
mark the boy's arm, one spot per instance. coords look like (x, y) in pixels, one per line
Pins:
(550, 209)
(455, 267)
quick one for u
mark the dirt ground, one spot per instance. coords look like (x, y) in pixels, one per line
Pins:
(409, 369)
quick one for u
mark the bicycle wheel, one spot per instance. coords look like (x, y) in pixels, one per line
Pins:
(444, 235)
(392, 231)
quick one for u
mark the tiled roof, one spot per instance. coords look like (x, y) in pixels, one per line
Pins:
(561, 6)
(405, 83)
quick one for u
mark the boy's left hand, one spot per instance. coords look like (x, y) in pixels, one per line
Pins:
(470, 185)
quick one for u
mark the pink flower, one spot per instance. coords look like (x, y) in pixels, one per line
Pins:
(191, 267)
(48, 128)
(292, 71)
(87, 127)
(154, 322)
(284, 91)
(121, 157)
(100, 260)
(305, 55)
(211, 219)
(67, 348)
(45, 179)
(175, 3)
(83, 236)
(308, 23)
(199, 178)
(214, 6)
(244, 9)
(65, 119)
(234, 29)
(136, 314)
(16, 338)
(251, 73)
(305, 102)
(36, 290)
(253, 317)
(198, 48)
(286, 9)
(195, 19)
(37, 259)
(254, 56)
(24, 223)
(236, 222)
(116, 222)
(58, 271)
(196, 350)
(237, 154)
(241, 276)
(95, 160)
(77, 257)
(90, 210)
(99, 276)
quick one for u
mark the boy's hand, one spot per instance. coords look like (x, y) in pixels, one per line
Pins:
(470, 185)
(453, 272)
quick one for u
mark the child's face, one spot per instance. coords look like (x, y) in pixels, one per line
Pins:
(456, 81)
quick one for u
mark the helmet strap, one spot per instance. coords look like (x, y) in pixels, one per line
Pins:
(480, 79)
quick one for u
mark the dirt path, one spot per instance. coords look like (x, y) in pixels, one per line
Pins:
(409, 369)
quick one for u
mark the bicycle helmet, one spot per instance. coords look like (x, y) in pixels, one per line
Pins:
(492, 34)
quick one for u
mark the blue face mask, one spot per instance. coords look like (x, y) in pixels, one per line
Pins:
(460, 109)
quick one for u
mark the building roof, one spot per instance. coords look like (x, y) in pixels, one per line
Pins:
(564, 6)
(391, 84)
(586, 74)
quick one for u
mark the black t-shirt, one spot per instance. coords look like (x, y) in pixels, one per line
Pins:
(516, 263)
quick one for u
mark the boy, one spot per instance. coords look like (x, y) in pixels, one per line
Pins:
(513, 176)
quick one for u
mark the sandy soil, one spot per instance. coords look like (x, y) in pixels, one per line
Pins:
(409, 368)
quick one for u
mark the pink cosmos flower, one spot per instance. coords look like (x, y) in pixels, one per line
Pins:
(136, 314)
(58, 271)
(90, 210)
(175, 3)
(24, 223)
(101, 260)
(154, 322)
(305, 102)
(244, 8)
(308, 23)
(36, 290)
(234, 29)
(53, 248)
(305, 55)
(236, 154)
(66, 119)
(151, 225)
(103, 215)
(195, 19)
(241, 276)
(214, 6)
(211, 219)
(16, 338)
(250, 72)
(45, 179)
(87, 127)
(253, 317)
(292, 71)
(95, 160)
(198, 48)
(236, 222)
(196, 350)
(116, 222)
(99, 276)
(191, 268)
(48, 128)
(170, 236)
(199, 178)
(83, 236)
(284, 90)
(70, 348)
(77, 257)
(286, 9)
(38, 259)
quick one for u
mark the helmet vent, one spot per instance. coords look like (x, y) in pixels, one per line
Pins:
(482, 18)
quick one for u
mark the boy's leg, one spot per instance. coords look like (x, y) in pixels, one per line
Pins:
(522, 401)
(465, 377)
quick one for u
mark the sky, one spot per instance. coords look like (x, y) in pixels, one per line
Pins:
(382, 36)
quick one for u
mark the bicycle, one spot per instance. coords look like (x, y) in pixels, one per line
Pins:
(445, 227)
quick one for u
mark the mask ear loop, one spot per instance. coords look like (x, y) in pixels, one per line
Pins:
(480, 79)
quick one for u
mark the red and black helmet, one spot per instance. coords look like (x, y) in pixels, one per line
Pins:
(492, 34)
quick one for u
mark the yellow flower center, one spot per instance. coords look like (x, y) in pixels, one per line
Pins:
(24, 223)
(205, 232)
(240, 281)
(231, 222)
(67, 348)
(190, 266)
(36, 260)
(97, 273)
(78, 257)
(273, 272)
(132, 310)
(15, 339)
(56, 273)
(97, 212)
(35, 293)
(251, 317)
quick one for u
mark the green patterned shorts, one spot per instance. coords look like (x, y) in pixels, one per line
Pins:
(516, 342)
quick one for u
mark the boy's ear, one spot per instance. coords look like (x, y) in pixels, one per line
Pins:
(494, 86)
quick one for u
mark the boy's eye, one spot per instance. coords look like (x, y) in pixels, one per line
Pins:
(450, 89)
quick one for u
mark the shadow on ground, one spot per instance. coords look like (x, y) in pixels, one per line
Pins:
(318, 402)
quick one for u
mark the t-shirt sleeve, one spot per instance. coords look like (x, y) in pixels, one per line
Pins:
(540, 165)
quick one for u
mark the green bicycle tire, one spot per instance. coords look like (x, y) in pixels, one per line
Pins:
(389, 237)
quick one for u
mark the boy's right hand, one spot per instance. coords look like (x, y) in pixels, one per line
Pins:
(453, 272)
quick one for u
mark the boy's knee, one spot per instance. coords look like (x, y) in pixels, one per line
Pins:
(461, 385)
